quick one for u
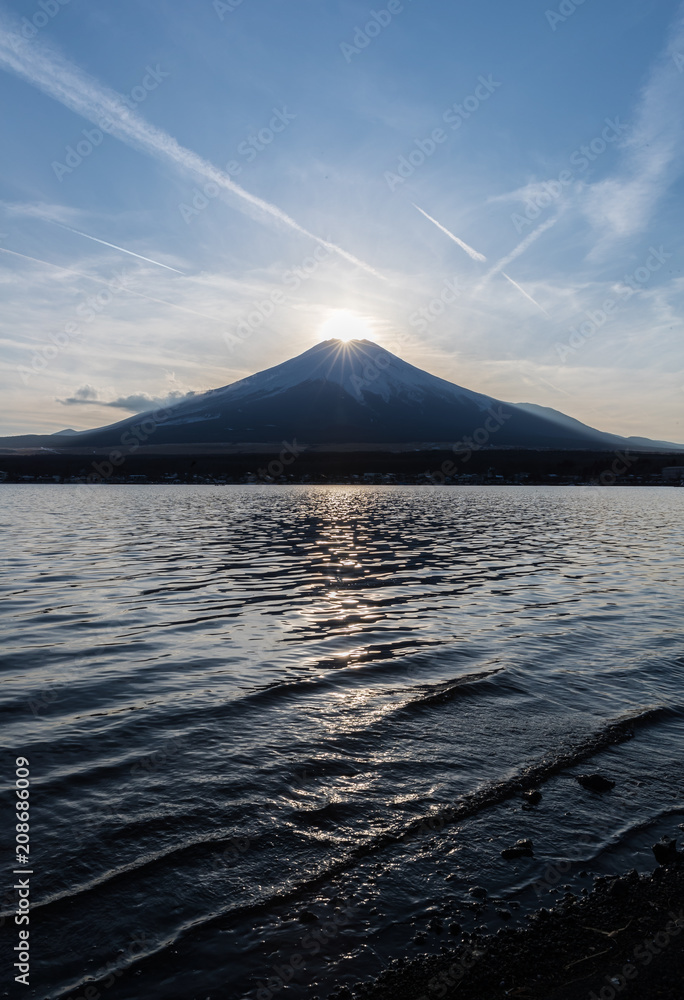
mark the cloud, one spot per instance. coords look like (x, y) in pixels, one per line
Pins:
(521, 247)
(88, 395)
(531, 192)
(653, 154)
(102, 281)
(464, 246)
(526, 294)
(62, 80)
(122, 249)
(42, 210)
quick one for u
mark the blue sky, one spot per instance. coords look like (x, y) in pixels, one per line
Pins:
(492, 191)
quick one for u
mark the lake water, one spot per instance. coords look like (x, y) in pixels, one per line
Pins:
(275, 728)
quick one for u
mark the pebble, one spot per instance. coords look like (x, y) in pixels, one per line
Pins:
(521, 849)
(665, 851)
(595, 782)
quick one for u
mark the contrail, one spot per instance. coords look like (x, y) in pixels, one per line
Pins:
(65, 82)
(464, 246)
(122, 249)
(102, 281)
(526, 294)
(521, 248)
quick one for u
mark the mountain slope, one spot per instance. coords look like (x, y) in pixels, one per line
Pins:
(344, 394)
(566, 421)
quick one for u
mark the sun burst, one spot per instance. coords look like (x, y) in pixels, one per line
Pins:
(345, 325)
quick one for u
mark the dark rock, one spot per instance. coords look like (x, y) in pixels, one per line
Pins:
(595, 782)
(307, 917)
(521, 849)
(455, 928)
(532, 796)
(435, 925)
(665, 851)
(504, 914)
(478, 892)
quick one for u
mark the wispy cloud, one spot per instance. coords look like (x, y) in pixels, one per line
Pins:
(62, 80)
(42, 210)
(88, 395)
(528, 193)
(103, 281)
(122, 249)
(464, 246)
(653, 154)
(526, 294)
(521, 248)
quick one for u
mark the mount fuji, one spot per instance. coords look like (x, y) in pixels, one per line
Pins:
(344, 394)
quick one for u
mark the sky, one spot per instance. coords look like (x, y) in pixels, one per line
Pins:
(191, 193)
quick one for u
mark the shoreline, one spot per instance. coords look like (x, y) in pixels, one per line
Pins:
(625, 938)
(297, 464)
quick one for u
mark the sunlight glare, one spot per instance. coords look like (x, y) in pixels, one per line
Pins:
(343, 324)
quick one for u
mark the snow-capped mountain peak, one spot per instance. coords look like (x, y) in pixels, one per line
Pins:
(352, 393)
(360, 367)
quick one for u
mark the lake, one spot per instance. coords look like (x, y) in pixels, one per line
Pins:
(273, 731)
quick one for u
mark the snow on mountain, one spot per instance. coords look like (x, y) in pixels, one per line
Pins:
(359, 367)
(346, 394)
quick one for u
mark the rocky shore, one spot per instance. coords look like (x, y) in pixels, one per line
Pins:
(623, 939)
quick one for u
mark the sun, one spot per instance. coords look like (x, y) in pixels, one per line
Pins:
(343, 324)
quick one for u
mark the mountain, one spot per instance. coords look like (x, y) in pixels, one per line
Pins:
(346, 394)
(571, 422)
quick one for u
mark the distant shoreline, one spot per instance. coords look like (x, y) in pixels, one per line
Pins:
(327, 482)
(297, 465)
